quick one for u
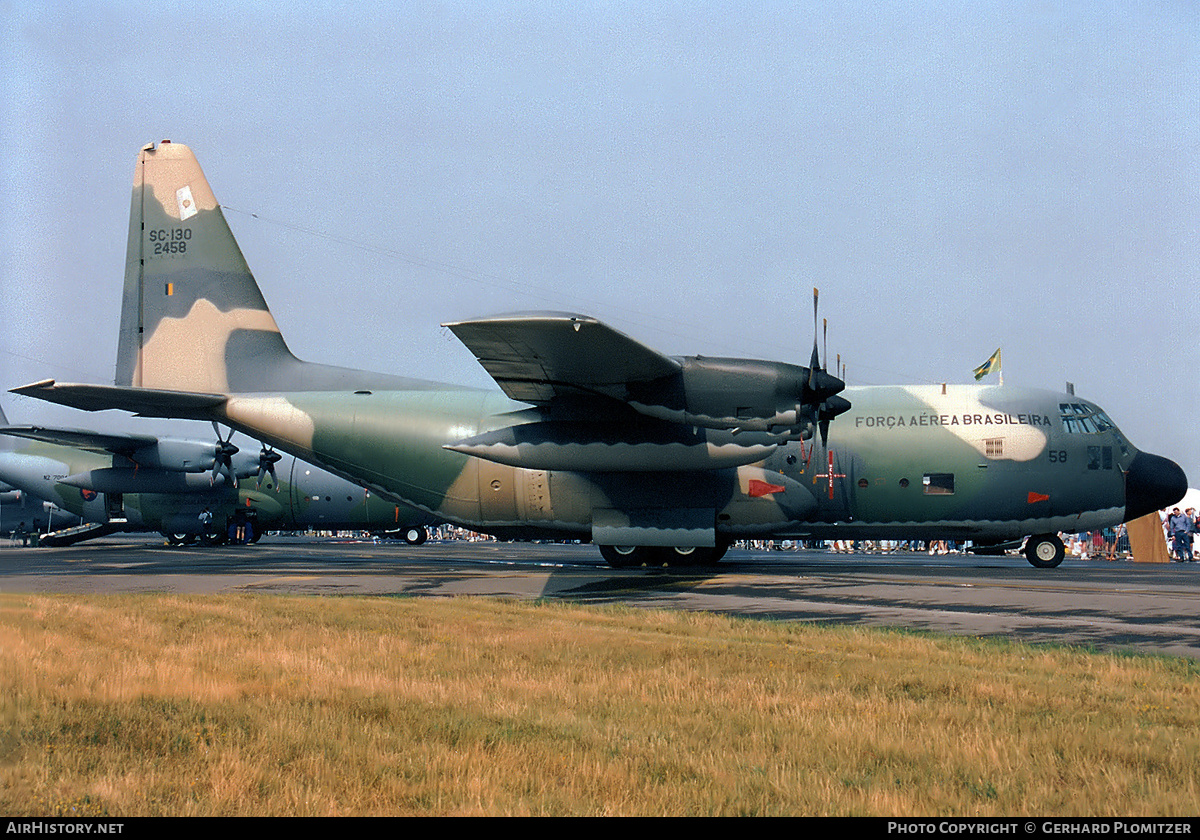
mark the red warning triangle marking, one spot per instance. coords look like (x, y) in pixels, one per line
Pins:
(761, 488)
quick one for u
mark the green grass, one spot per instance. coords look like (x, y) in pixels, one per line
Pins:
(212, 705)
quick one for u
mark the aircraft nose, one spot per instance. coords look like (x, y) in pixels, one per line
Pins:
(1152, 483)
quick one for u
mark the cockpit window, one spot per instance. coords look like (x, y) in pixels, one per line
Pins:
(1081, 419)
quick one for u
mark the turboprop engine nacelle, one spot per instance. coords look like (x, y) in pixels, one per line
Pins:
(186, 456)
(124, 480)
(744, 395)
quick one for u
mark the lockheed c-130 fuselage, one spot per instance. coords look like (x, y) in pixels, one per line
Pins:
(596, 436)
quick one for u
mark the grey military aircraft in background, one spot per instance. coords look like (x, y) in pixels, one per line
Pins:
(23, 513)
(106, 483)
(598, 437)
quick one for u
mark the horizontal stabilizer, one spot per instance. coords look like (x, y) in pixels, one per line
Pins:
(146, 402)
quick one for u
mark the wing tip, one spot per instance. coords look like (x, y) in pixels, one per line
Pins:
(25, 390)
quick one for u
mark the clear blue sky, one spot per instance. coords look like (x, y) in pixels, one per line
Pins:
(954, 176)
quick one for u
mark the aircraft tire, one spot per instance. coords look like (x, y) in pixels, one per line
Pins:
(180, 539)
(625, 556)
(1044, 551)
(713, 555)
(416, 535)
(695, 555)
(629, 556)
(682, 555)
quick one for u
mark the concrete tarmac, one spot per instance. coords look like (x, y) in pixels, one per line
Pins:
(1147, 608)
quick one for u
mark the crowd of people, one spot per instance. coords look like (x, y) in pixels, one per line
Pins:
(1108, 544)
(1180, 529)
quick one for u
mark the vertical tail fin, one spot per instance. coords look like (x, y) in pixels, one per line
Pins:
(192, 316)
(6, 442)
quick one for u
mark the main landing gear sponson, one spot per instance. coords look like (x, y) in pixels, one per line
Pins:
(1044, 551)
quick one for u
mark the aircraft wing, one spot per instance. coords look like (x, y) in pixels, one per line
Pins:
(536, 356)
(118, 444)
(145, 402)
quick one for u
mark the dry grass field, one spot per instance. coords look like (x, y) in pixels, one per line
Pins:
(247, 705)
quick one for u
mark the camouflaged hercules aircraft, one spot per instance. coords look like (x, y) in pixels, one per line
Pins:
(126, 482)
(596, 436)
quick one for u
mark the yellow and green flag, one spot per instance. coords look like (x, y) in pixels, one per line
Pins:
(987, 367)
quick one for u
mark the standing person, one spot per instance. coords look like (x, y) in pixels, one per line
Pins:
(1193, 527)
(205, 523)
(1180, 528)
(1109, 536)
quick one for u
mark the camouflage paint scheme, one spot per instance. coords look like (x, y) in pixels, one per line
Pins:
(297, 497)
(597, 436)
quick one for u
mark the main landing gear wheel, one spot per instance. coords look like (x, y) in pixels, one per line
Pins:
(694, 555)
(1044, 551)
(416, 535)
(629, 556)
(625, 556)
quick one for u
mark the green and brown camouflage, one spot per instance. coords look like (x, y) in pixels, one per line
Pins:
(596, 436)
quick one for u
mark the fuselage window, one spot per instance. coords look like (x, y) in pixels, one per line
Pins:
(938, 484)
(1100, 457)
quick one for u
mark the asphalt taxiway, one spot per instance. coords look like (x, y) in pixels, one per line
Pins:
(1147, 608)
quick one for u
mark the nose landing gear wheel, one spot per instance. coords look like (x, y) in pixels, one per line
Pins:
(415, 535)
(1044, 551)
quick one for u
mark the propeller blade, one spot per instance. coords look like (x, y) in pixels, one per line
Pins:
(818, 402)
(830, 408)
(266, 464)
(223, 456)
(814, 362)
